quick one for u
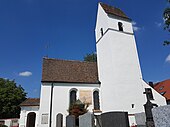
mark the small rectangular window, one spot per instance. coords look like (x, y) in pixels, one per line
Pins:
(44, 119)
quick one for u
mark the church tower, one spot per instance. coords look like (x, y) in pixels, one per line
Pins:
(122, 86)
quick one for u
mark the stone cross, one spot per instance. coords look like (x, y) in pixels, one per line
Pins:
(148, 111)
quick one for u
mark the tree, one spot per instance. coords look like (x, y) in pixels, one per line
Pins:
(166, 16)
(3, 125)
(91, 57)
(11, 96)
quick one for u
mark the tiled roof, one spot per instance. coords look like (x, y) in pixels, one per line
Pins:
(31, 102)
(55, 70)
(113, 11)
(163, 88)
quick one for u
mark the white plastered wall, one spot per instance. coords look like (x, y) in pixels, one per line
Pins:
(44, 103)
(24, 112)
(60, 102)
(119, 68)
(102, 22)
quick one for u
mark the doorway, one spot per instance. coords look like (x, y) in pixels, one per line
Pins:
(31, 119)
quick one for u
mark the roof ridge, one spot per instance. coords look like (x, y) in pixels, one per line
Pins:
(57, 59)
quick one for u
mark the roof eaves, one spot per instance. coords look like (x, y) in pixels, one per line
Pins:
(97, 82)
(26, 105)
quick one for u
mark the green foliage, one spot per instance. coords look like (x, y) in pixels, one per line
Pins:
(166, 16)
(166, 43)
(3, 125)
(91, 57)
(78, 108)
(11, 96)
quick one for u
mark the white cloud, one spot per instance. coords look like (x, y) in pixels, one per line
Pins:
(25, 74)
(167, 59)
(133, 23)
(158, 24)
(135, 28)
(35, 90)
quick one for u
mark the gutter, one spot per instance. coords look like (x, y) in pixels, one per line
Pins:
(51, 104)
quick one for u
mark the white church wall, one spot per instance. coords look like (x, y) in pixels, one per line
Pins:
(106, 21)
(44, 103)
(119, 67)
(60, 102)
(119, 72)
(113, 24)
(24, 113)
(158, 99)
(101, 22)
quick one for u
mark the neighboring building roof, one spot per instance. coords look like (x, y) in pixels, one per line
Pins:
(114, 11)
(31, 102)
(163, 88)
(67, 71)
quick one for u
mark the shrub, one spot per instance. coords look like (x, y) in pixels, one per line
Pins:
(78, 108)
(3, 125)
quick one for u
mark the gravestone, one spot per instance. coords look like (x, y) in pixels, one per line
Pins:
(59, 121)
(70, 121)
(98, 121)
(140, 119)
(115, 119)
(161, 116)
(86, 120)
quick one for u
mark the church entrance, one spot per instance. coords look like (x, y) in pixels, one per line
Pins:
(31, 119)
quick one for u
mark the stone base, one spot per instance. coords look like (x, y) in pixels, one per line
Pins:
(150, 124)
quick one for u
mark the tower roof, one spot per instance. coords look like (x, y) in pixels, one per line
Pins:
(114, 11)
(67, 71)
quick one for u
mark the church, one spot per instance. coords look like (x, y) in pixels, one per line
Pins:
(113, 83)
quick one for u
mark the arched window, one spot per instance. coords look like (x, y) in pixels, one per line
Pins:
(73, 96)
(120, 25)
(96, 100)
(101, 31)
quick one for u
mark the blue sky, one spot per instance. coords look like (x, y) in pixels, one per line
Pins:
(67, 27)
